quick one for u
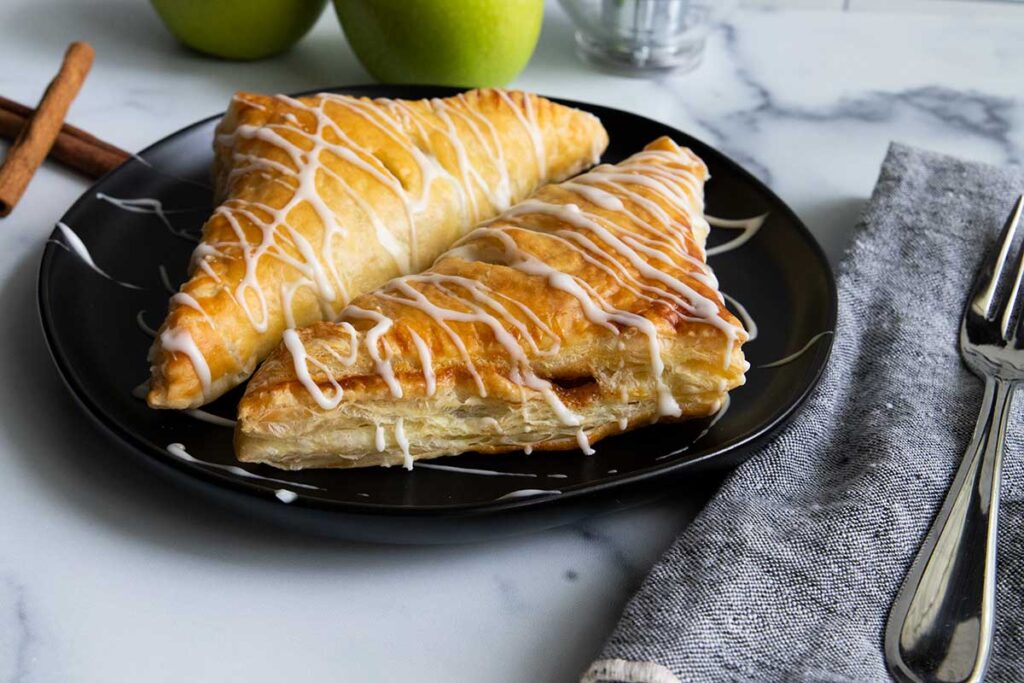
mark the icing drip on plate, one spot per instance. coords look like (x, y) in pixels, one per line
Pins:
(140, 320)
(286, 495)
(471, 470)
(141, 390)
(189, 181)
(152, 207)
(204, 416)
(77, 247)
(178, 451)
(748, 227)
(744, 315)
(165, 280)
(793, 356)
(529, 493)
(719, 414)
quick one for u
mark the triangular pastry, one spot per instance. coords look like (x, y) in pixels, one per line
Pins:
(584, 311)
(326, 197)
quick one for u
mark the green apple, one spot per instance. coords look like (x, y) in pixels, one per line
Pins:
(471, 43)
(239, 29)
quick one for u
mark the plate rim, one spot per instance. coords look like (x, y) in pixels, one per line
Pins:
(261, 492)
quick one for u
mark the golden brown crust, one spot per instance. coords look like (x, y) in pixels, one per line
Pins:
(395, 184)
(508, 303)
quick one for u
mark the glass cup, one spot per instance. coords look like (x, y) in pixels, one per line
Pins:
(642, 36)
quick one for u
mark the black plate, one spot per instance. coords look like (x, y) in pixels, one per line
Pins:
(781, 276)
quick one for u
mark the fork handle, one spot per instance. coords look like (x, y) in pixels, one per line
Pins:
(940, 626)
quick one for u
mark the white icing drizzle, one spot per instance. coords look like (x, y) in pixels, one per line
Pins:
(166, 280)
(744, 315)
(415, 299)
(77, 246)
(529, 493)
(595, 195)
(529, 124)
(378, 441)
(748, 226)
(179, 452)
(597, 312)
(144, 162)
(141, 322)
(181, 341)
(204, 416)
(471, 470)
(584, 442)
(722, 410)
(299, 361)
(371, 339)
(286, 495)
(403, 443)
(793, 356)
(151, 207)
(500, 194)
(426, 362)
(719, 414)
(188, 301)
(141, 390)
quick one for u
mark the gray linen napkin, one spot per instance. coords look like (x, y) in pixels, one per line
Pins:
(789, 572)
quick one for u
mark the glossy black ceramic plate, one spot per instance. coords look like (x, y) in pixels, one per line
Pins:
(92, 324)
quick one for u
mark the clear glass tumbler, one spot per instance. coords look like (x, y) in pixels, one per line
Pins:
(641, 36)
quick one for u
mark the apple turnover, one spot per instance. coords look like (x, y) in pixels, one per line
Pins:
(582, 312)
(326, 197)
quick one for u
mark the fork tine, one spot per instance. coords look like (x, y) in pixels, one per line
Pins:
(986, 290)
(1010, 311)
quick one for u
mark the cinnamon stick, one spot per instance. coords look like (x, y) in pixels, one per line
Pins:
(25, 113)
(38, 136)
(73, 148)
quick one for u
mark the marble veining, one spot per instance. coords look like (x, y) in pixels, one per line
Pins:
(611, 549)
(112, 574)
(964, 111)
(17, 642)
(509, 591)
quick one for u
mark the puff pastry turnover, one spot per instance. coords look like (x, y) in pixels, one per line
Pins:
(582, 312)
(326, 197)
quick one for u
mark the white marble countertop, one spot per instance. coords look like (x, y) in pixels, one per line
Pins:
(107, 573)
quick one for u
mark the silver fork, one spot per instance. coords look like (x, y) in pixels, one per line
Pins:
(940, 626)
